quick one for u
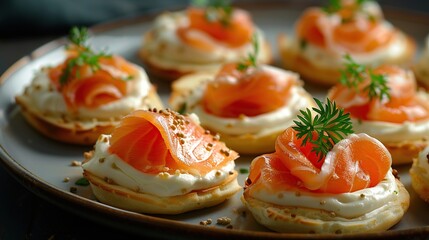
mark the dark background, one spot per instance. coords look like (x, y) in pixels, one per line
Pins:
(28, 24)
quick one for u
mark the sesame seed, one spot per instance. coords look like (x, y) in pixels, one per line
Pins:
(362, 195)
(395, 173)
(66, 179)
(323, 202)
(76, 164)
(223, 221)
(101, 160)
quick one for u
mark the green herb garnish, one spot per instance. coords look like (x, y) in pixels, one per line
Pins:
(354, 74)
(86, 56)
(333, 6)
(329, 126)
(216, 10)
(251, 60)
(82, 182)
(244, 170)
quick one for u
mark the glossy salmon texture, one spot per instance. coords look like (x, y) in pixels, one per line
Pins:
(403, 104)
(253, 92)
(205, 34)
(354, 163)
(350, 29)
(91, 88)
(165, 141)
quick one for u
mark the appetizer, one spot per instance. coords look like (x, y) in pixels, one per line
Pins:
(200, 38)
(86, 95)
(419, 173)
(356, 27)
(161, 162)
(421, 69)
(322, 178)
(384, 103)
(248, 104)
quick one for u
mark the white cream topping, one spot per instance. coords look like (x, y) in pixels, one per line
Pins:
(260, 125)
(163, 184)
(347, 205)
(41, 97)
(169, 51)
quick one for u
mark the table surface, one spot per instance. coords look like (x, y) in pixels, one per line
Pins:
(24, 215)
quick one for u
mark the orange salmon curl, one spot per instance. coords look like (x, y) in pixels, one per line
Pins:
(403, 105)
(165, 141)
(86, 87)
(350, 29)
(205, 34)
(355, 163)
(253, 92)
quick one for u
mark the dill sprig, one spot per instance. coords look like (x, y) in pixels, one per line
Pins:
(251, 60)
(329, 126)
(216, 10)
(354, 74)
(334, 6)
(86, 56)
(78, 36)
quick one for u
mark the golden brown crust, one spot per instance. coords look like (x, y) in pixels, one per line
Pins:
(419, 182)
(124, 198)
(295, 61)
(173, 73)
(73, 132)
(404, 152)
(294, 219)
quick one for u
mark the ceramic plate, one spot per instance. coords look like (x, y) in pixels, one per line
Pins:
(42, 164)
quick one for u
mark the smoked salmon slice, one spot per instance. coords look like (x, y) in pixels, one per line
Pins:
(256, 91)
(355, 163)
(164, 141)
(404, 104)
(232, 31)
(349, 29)
(91, 87)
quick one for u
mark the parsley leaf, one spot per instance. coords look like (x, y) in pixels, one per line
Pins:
(329, 126)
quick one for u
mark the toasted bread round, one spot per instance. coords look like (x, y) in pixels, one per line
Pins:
(404, 152)
(419, 180)
(294, 219)
(294, 60)
(245, 143)
(76, 131)
(117, 196)
(168, 69)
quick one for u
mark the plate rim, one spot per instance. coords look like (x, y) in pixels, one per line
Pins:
(51, 193)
